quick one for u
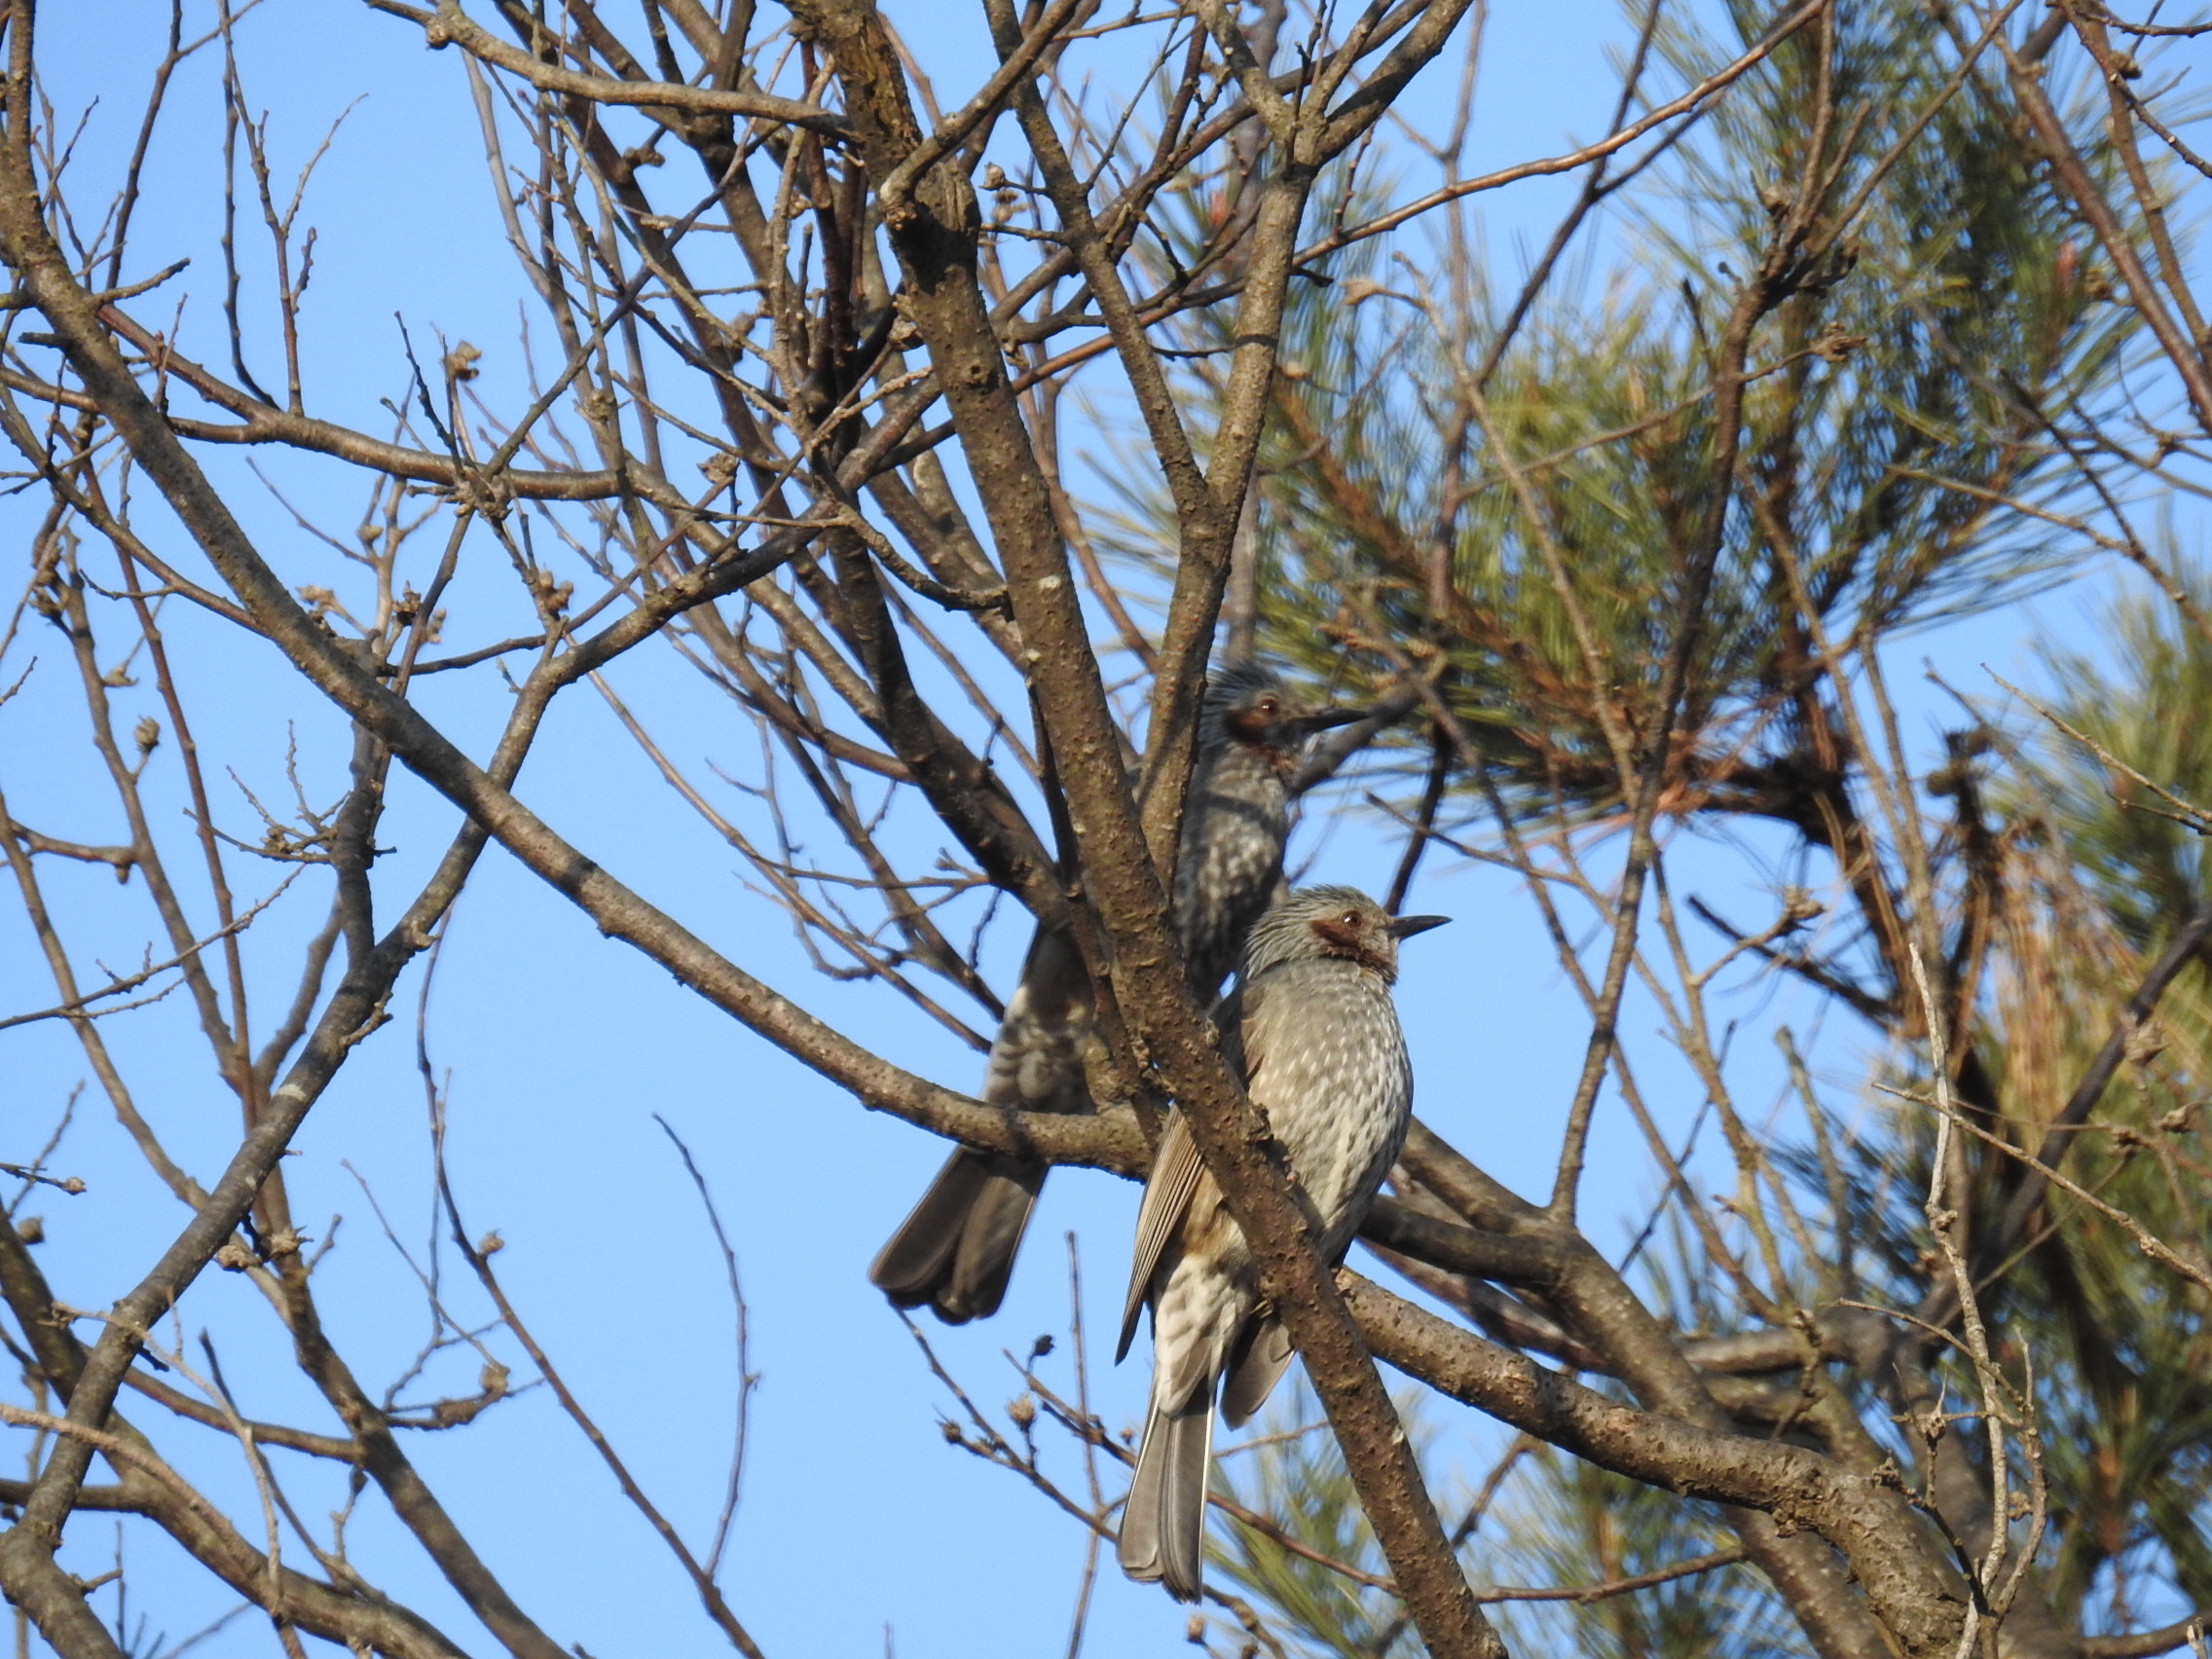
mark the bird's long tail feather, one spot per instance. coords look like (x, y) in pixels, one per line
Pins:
(955, 1252)
(1163, 1523)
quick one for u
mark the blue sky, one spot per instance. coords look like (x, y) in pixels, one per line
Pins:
(861, 1532)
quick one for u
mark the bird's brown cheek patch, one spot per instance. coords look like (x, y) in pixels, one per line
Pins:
(1257, 732)
(1352, 944)
(1251, 726)
(1340, 940)
(1247, 723)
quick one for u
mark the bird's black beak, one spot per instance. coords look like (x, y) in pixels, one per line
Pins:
(1405, 927)
(1322, 719)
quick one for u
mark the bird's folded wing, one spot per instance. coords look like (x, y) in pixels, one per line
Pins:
(1175, 1172)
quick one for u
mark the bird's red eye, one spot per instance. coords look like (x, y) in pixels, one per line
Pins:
(1268, 705)
(1350, 918)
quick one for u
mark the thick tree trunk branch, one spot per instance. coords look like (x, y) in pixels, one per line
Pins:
(1600, 1312)
(1869, 1523)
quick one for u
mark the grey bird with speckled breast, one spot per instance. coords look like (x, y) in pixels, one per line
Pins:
(955, 1252)
(1313, 1030)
